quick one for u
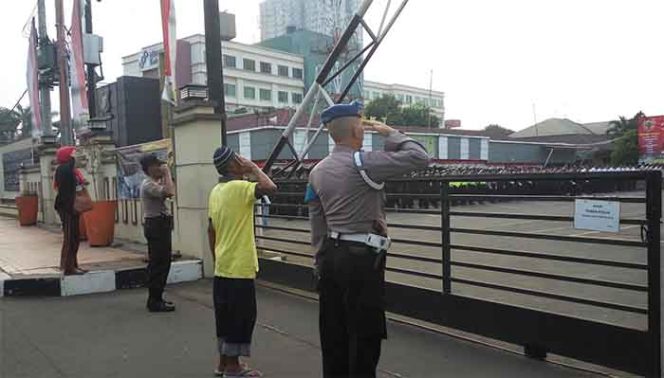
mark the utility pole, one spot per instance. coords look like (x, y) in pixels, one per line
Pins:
(215, 73)
(67, 137)
(91, 77)
(44, 86)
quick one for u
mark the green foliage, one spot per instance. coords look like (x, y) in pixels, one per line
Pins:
(389, 110)
(9, 120)
(497, 130)
(626, 149)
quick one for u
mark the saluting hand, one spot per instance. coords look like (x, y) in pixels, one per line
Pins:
(378, 127)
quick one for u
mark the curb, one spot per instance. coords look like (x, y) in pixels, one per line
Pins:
(99, 281)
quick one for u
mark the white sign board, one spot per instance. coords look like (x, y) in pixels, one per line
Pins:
(597, 215)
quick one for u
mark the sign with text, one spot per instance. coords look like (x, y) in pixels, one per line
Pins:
(596, 215)
(651, 139)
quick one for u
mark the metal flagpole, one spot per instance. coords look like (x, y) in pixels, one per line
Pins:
(324, 76)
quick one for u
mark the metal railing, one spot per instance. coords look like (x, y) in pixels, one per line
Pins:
(431, 286)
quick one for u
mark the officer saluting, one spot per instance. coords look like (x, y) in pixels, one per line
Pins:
(346, 209)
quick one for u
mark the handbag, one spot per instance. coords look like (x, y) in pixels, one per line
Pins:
(82, 201)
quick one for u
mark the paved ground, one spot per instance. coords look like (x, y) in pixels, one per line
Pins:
(35, 251)
(111, 335)
(585, 291)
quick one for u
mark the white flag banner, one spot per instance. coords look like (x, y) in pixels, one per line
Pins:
(33, 82)
(170, 50)
(79, 98)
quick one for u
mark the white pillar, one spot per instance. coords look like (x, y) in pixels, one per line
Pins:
(245, 144)
(442, 147)
(484, 152)
(367, 144)
(465, 149)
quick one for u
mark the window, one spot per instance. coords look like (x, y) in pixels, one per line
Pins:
(229, 90)
(249, 65)
(409, 99)
(283, 97)
(283, 71)
(266, 68)
(297, 98)
(230, 61)
(250, 92)
(265, 94)
(297, 73)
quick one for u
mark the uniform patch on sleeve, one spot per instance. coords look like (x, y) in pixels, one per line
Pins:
(310, 194)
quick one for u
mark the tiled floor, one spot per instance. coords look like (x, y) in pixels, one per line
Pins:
(34, 251)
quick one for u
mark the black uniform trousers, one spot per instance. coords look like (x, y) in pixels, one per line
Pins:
(158, 233)
(352, 309)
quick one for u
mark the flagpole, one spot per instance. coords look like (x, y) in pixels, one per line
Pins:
(213, 57)
(92, 106)
(44, 87)
(66, 134)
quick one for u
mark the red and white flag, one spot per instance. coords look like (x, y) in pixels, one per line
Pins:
(33, 82)
(170, 51)
(79, 98)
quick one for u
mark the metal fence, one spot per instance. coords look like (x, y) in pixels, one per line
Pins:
(462, 259)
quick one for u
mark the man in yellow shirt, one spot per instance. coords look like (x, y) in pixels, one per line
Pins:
(233, 246)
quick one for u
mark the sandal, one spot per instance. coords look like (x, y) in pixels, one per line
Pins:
(220, 373)
(245, 372)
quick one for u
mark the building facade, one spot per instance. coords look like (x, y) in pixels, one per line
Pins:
(314, 48)
(255, 77)
(407, 95)
(321, 16)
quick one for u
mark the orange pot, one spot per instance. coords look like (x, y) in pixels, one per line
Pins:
(100, 223)
(27, 210)
(82, 231)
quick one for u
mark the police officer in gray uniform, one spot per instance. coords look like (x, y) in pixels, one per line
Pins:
(349, 232)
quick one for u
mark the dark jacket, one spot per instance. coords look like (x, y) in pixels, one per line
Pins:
(66, 182)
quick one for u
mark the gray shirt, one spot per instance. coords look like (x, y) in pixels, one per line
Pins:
(345, 203)
(153, 196)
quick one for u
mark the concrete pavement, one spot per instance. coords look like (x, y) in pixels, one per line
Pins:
(112, 335)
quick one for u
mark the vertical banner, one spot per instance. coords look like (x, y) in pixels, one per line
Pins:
(33, 82)
(170, 50)
(79, 96)
(651, 139)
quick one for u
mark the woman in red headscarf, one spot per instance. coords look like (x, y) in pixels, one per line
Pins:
(68, 180)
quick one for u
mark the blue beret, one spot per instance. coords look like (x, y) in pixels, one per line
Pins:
(341, 110)
(222, 156)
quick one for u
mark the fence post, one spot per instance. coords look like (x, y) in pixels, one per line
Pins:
(445, 235)
(654, 215)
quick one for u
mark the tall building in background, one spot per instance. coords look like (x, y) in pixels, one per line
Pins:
(329, 17)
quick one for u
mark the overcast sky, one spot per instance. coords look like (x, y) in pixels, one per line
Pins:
(498, 61)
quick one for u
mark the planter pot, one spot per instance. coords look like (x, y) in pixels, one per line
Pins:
(28, 207)
(100, 223)
(82, 231)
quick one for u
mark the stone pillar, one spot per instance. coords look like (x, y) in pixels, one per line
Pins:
(97, 161)
(47, 165)
(196, 134)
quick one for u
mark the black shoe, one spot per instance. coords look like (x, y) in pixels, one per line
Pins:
(161, 307)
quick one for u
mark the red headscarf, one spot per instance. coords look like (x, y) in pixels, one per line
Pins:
(63, 155)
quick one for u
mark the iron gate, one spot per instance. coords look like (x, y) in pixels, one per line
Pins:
(461, 261)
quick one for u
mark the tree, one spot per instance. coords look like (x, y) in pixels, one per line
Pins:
(389, 110)
(626, 149)
(498, 131)
(381, 107)
(9, 121)
(26, 121)
(622, 125)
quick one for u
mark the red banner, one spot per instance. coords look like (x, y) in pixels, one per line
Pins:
(651, 138)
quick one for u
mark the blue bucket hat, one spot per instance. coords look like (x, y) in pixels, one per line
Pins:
(354, 109)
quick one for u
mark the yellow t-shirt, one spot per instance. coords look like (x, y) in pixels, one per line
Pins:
(231, 209)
